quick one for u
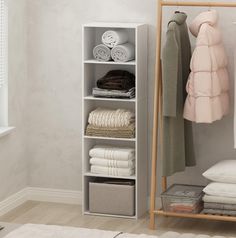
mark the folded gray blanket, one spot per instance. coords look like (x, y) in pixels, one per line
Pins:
(219, 212)
(105, 93)
(221, 206)
(102, 53)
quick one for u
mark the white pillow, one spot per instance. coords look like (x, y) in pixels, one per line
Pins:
(221, 190)
(223, 172)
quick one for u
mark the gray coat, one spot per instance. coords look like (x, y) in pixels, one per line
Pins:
(177, 150)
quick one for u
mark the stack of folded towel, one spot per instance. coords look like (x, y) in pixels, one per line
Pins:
(108, 160)
(220, 198)
(116, 84)
(115, 46)
(118, 123)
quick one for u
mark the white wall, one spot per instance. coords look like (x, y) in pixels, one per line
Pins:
(55, 81)
(55, 86)
(53, 122)
(13, 162)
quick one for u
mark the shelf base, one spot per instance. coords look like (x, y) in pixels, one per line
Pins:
(196, 216)
(109, 215)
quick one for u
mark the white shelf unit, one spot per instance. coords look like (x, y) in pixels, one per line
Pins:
(93, 70)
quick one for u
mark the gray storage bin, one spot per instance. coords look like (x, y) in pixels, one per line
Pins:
(108, 198)
(183, 199)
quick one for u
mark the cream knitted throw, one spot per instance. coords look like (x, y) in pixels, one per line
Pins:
(110, 118)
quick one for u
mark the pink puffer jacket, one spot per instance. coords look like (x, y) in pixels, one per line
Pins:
(208, 83)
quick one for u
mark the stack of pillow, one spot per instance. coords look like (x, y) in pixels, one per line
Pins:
(220, 194)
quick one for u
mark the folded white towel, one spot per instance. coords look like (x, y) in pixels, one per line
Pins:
(218, 199)
(113, 38)
(111, 118)
(102, 53)
(111, 171)
(123, 53)
(112, 153)
(112, 163)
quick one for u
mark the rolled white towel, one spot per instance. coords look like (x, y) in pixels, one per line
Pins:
(102, 53)
(111, 118)
(111, 171)
(123, 53)
(113, 38)
(112, 153)
(112, 163)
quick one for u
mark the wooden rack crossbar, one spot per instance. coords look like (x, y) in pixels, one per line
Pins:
(157, 117)
(198, 4)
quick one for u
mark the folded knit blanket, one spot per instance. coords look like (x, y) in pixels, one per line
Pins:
(114, 132)
(111, 171)
(219, 212)
(117, 80)
(111, 118)
(218, 199)
(113, 38)
(123, 53)
(102, 53)
(112, 153)
(112, 163)
(105, 93)
(219, 206)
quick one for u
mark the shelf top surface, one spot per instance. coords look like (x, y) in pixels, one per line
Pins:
(91, 97)
(89, 174)
(113, 24)
(109, 138)
(93, 61)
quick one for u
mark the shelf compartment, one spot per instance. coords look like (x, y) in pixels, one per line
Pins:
(89, 174)
(196, 216)
(93, 61)
(93, 72)
(90, 143)
(91, 97)
(93, 37)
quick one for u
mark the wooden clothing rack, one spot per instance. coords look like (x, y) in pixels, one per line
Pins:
(157, 117)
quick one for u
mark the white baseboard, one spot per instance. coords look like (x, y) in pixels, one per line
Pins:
(54, 195)
(13, 201)
(42, 195)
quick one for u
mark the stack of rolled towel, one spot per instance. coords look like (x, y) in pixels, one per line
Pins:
(116, 84)
(115, 161)
(220, 194)
(115, 46)
(119, 123)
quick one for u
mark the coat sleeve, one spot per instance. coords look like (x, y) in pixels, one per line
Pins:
(170, 65)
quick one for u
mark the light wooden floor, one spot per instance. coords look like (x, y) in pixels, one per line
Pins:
(70, 215)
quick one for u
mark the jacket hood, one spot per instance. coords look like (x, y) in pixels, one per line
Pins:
(179, 18)
(209, 17)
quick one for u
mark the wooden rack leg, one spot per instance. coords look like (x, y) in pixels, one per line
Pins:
(157, 94)
(164, 183)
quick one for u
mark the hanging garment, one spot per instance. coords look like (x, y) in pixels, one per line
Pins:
(208, 83)
(177, 143)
